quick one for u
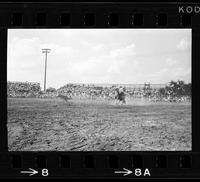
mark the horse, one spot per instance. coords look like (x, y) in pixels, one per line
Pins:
(120, 96)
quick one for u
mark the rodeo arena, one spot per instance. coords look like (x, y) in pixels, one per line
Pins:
(99, 117)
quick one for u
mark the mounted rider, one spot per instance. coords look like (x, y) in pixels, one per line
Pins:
(120, 94)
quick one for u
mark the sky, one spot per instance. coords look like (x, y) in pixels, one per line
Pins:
(114, 56)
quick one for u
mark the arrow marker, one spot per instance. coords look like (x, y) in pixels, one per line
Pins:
(125, 172)
(31, 172)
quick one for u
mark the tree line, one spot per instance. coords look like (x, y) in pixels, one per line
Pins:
(177, 88)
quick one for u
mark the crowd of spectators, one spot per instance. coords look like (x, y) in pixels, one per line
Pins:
(23, 89)
(174, 92)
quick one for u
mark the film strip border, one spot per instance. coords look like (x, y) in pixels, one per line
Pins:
(88, 15)
(180, 165)
(98, 15)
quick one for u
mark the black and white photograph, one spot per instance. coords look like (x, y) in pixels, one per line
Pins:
(99, 89)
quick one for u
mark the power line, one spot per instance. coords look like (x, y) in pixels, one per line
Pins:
(46, 51)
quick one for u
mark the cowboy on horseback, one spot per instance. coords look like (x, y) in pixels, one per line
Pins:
(120, 95)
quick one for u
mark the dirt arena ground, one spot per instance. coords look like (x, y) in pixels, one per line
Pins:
(94, 125)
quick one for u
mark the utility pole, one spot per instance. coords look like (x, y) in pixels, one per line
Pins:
(46, 51)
